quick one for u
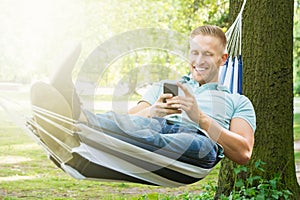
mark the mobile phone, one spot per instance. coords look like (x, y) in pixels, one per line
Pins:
(170, 88)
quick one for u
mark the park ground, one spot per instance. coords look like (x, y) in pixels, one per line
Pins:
(26, 173)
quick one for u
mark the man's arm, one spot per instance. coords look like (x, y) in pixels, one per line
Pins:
(237, 142)
(141, 109)
(159, 109)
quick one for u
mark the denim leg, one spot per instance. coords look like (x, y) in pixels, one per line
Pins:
(190, 141)
(156, 131)
(126, 124)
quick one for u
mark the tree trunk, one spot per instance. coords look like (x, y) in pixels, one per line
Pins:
(268, 83)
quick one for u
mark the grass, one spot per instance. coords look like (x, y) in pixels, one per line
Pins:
(297, 133)
(27, 173)
(297, 126)
(297, 119)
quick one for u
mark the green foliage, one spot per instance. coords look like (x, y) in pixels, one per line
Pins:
(296, 49)
(179, 16)
(297, 126)
(297, 157)
(31, 46)
(36, 34)
(255, 187)
(141, 68)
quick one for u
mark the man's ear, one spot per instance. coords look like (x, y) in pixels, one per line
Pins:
(224, 58)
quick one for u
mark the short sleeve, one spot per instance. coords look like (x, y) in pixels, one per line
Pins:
(153, 93)
(245, 110)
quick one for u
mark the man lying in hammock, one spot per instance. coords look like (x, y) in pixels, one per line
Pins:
(228, 119)
(202, 120)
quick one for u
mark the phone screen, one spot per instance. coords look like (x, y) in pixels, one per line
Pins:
(171, 88)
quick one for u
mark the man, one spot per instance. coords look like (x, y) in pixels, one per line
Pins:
(197, 124)
(228, 119)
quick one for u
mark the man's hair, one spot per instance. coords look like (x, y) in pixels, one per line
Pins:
(210, 30)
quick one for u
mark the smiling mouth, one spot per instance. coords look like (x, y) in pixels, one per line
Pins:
(199, 69)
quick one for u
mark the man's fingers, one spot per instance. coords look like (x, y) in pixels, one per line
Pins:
(179, 103)
(161, 110)
(164, 96)
(184, 89)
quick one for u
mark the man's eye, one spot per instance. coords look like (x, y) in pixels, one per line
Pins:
(194, 53)
(208, 54)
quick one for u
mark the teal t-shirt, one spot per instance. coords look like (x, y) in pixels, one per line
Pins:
(213, 99)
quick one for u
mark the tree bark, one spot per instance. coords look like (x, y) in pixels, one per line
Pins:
(268, 82)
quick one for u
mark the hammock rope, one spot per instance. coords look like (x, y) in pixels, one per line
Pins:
(57, 125)
(232, 72)
(234, 36)
(33, 127)
(54, 115)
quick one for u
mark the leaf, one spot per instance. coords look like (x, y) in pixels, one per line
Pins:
(258, 165)
(273, 183)
(239, 169)
(253, 178)
(239, 183)
(260, 196)
(236, 170)
(263, 186)
(275, 196)
(250, 192)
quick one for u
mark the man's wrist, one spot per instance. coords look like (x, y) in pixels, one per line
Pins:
(204, 121)
(212, 128)
(149, 112)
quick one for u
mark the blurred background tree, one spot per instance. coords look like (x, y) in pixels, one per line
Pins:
(33, 32)
(297, 48)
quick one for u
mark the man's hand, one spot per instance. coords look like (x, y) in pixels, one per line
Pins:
(163, 106)
(187, 103)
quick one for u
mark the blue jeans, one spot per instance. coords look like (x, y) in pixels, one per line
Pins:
(157, 134)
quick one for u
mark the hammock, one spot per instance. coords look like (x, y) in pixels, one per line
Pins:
(231, 73)
(87, 152)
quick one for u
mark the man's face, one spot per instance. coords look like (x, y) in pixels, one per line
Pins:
(206, 56)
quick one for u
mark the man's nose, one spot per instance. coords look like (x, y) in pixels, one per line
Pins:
(198, 58)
